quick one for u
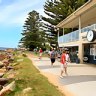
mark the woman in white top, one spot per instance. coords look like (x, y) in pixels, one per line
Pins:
(67, 57)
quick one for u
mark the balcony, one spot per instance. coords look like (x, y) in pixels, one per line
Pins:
(74, 36)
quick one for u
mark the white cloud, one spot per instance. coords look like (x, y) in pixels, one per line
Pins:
(16, 13)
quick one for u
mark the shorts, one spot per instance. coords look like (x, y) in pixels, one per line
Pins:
(52, 60)
(63, 66)
(40, 54)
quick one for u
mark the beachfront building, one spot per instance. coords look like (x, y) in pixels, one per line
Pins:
(83, 40)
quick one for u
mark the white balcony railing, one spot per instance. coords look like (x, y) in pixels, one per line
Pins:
(86, 29)
(74, 36)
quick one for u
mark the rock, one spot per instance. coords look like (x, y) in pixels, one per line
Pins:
(1, 87)
(2, 70)
(11, 76)
(1, 65)
(1, 62)
(1, 75)
(9, 67)
(11, 86)
(14, 64)
(3, 81)
(19, 60)
(27, 90)
(8, 88)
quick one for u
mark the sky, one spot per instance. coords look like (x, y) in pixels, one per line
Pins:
(13, 13)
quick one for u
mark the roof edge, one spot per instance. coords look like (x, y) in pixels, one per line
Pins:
(58, 25)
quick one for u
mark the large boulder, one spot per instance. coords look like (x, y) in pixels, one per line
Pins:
(3, 81)
(8, 88)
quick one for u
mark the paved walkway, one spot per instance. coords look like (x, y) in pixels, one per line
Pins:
(81, 79)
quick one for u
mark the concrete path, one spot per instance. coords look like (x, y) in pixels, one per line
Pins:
(81, 79)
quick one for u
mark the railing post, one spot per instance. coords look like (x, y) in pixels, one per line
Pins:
(63, 36)
(79, 24)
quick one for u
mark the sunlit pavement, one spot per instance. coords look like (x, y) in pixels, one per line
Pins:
(81, 79)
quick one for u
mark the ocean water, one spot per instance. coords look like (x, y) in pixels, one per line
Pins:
(3, 48)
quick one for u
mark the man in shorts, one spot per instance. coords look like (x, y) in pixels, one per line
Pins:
(52, 56)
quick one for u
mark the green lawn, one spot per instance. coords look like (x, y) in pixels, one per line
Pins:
(29, 76)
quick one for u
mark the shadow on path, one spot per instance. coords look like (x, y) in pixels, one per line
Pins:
(81, 65)
(77, 79)
(48, 66)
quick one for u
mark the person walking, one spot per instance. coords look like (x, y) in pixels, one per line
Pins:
(67, 57)
(63, 64)
(40, 53)
(52, 56)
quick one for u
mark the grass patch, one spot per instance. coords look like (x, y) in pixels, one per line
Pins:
(29, 76)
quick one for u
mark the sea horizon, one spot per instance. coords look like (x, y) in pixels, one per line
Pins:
(4, 48)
